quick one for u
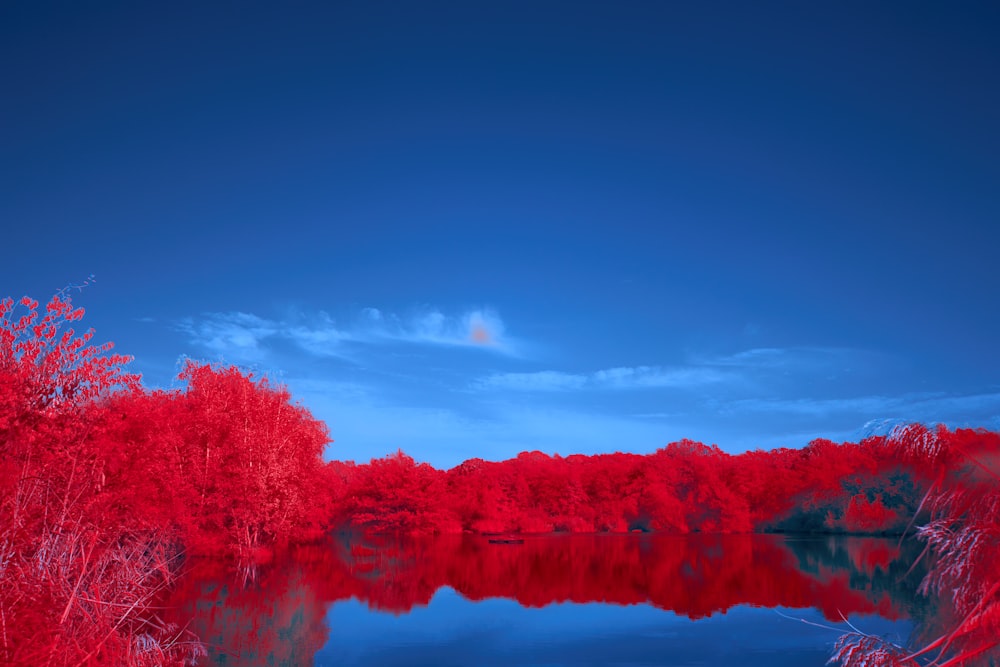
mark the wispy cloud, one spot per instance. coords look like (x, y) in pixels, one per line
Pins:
(622, 377)
(475, 328)
(625, 377)
(800, 358)
(937, 406)
(238, 334)
(540, 381)
(248, 336)
(746, 368)
(699, 371)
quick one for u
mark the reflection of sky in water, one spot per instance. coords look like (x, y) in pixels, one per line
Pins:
(455, 631)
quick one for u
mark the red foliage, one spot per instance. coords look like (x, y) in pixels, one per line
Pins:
(248, 462)
(685, 487)
(865, 516)
(397, 495)
(869, 555)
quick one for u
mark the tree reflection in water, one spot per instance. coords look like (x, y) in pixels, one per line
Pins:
(278, 617)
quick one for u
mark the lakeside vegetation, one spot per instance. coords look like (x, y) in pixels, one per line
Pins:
(107, 487)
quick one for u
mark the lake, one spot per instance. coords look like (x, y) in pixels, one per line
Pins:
(564, 599)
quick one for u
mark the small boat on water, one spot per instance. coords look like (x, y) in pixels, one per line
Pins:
(506, 540)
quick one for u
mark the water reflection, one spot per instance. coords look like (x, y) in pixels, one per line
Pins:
(284, 617)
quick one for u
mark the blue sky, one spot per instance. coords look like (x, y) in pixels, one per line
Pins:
(465, 230)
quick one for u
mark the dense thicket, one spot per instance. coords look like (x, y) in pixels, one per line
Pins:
(105, 486)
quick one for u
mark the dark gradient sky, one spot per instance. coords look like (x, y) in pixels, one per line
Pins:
(469, 229)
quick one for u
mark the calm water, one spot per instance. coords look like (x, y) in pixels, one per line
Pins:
(555, 600)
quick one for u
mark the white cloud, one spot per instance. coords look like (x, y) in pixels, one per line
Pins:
(244, 335)
(815, 406)
(540, 381)
(623, 377)
(238, 334)
(753, 357)
(749, 368)
(656, 376)
(936, 406)
(321, 338)
(475, 328)
(784, 357)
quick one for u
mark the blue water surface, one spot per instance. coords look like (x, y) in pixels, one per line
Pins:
(453, 631)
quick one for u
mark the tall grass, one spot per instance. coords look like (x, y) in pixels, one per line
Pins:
(962, 541)
(81, 596)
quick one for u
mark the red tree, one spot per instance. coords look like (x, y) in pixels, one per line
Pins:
(249, 462)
